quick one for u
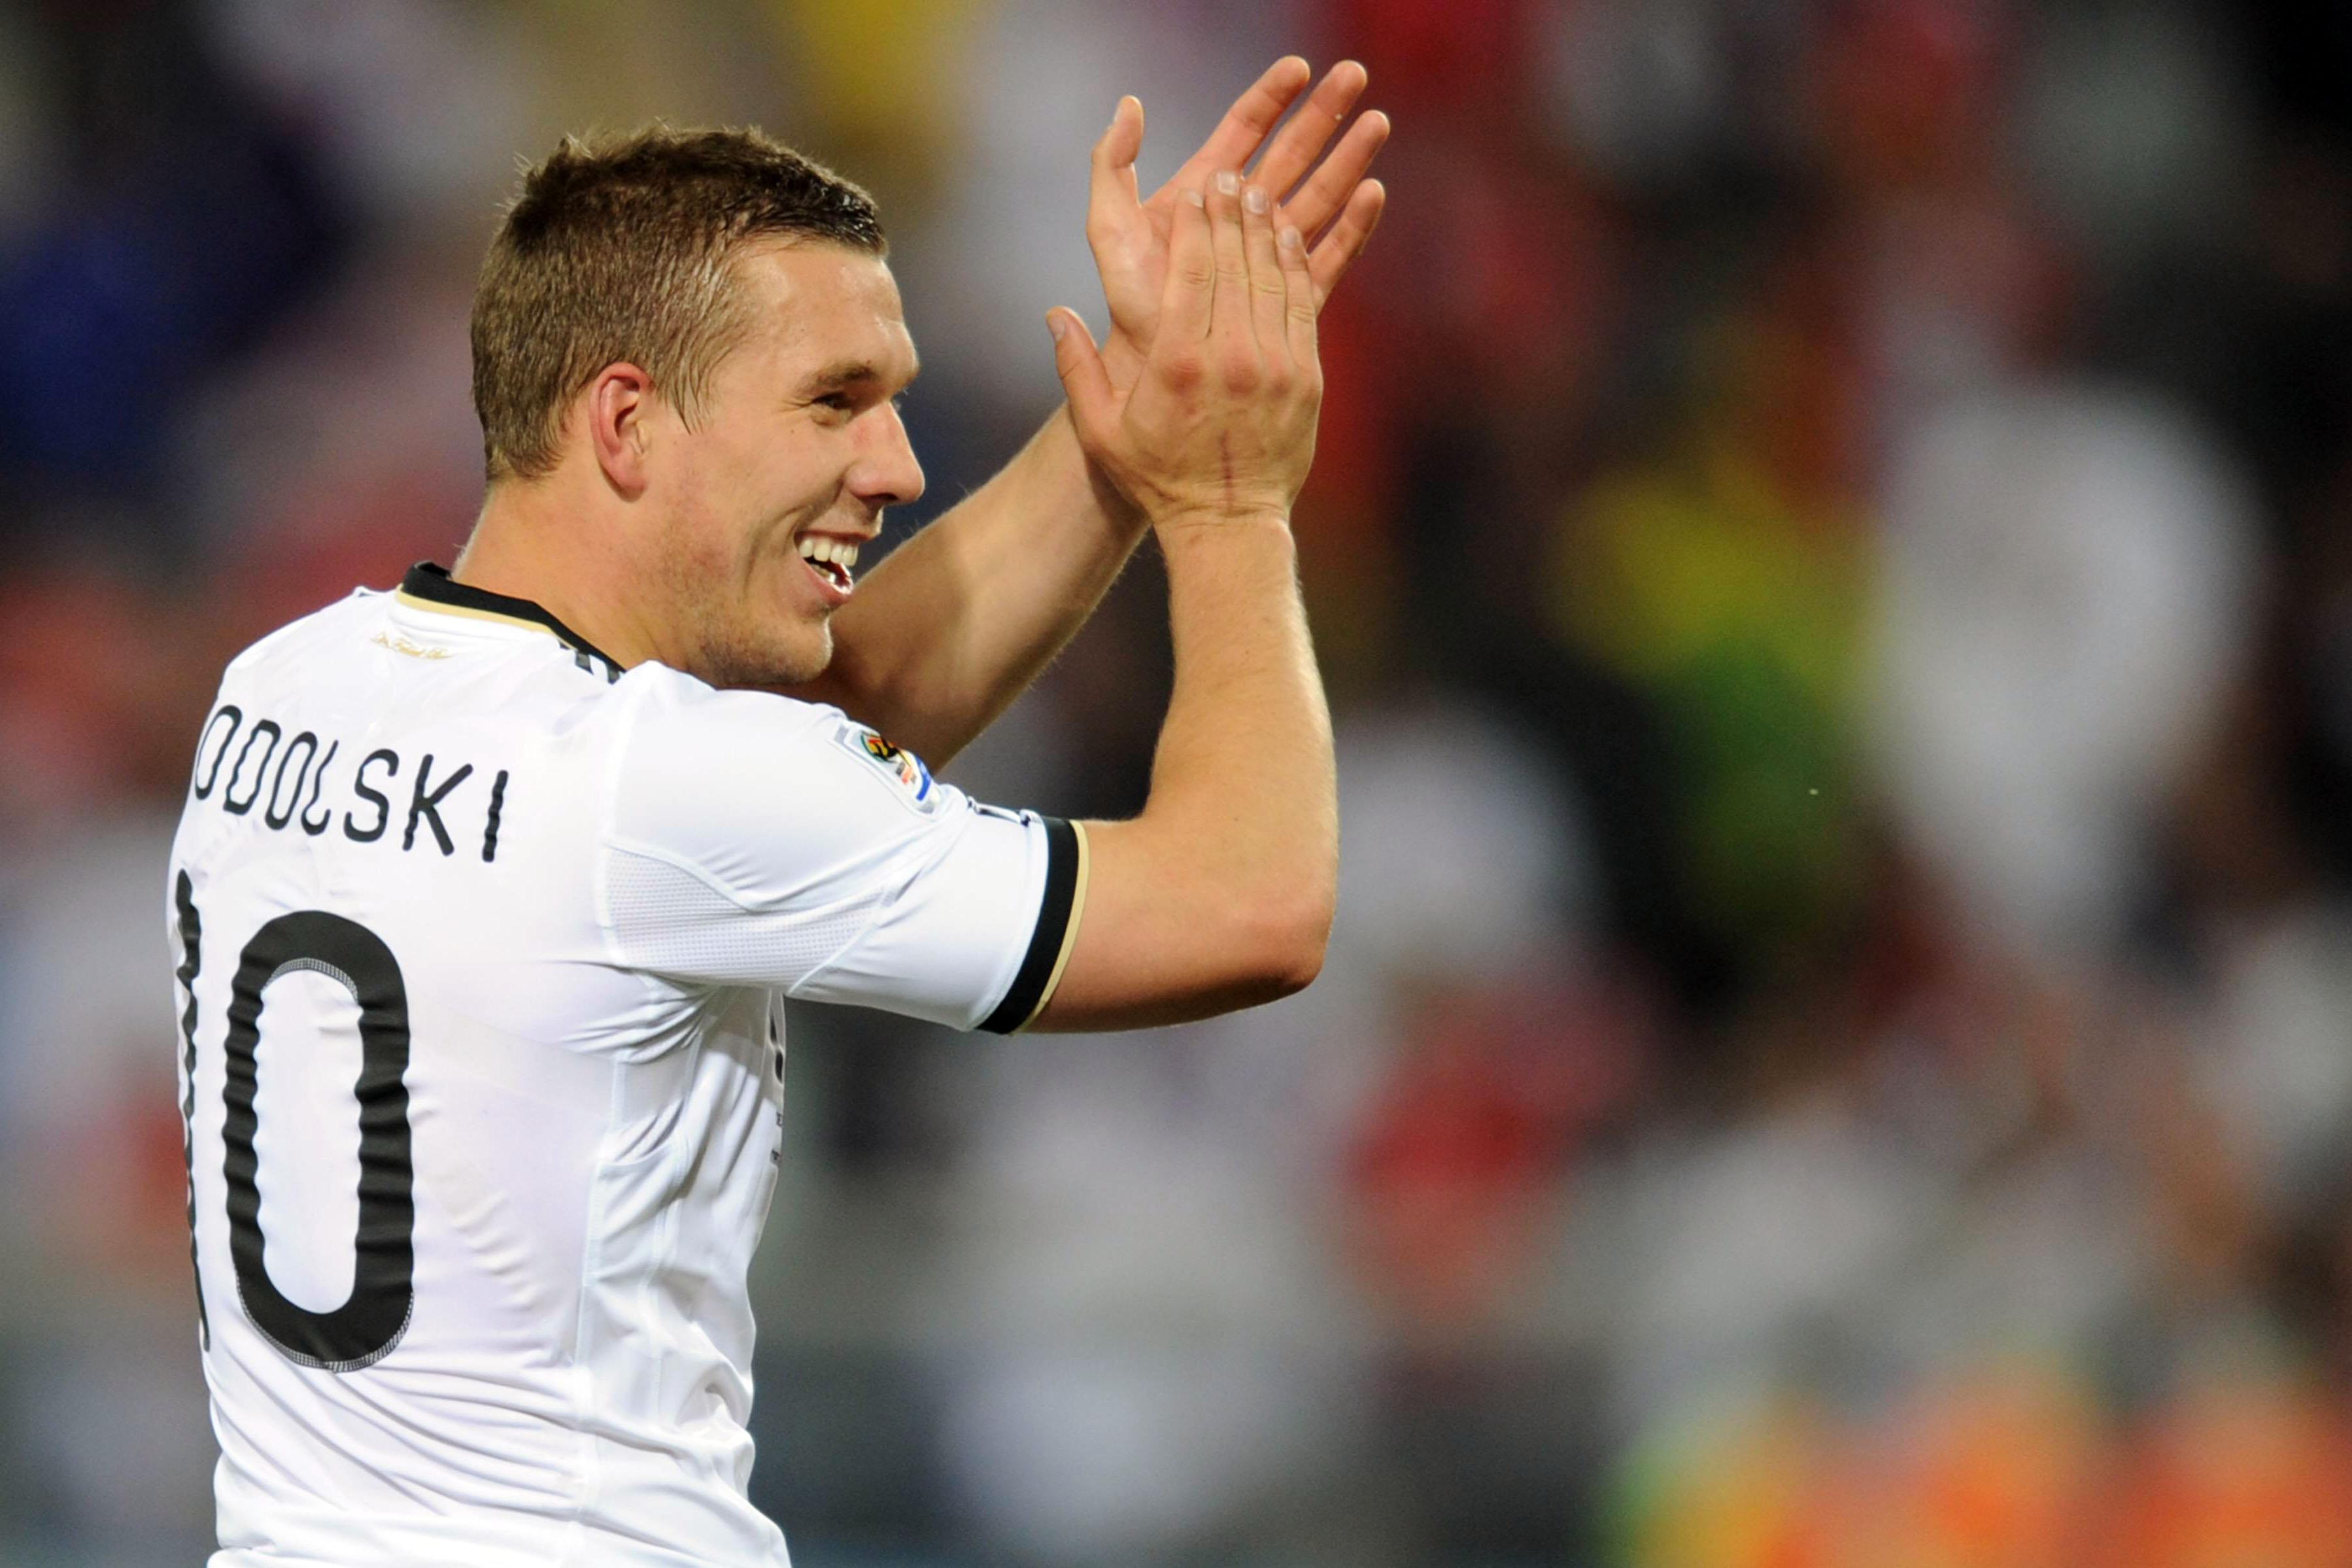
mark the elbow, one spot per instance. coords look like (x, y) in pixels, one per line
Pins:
(1286, 944)
(1298, 973)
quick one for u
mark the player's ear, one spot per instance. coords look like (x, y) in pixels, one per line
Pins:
(617, 407)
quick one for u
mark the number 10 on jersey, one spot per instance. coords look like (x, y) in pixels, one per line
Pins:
(371, 1321)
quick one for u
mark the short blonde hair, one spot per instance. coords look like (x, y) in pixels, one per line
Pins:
(625, 251)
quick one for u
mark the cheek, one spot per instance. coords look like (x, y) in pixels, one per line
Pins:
(728, 499)
(783, 476)
(742, 491)
(698, 530)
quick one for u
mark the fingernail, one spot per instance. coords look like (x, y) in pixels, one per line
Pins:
(1227, 181)
(1195, 198)
(1289, 237)
(1255, 199)
(1056, 325)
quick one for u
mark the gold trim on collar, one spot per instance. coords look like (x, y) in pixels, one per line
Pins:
(435, 607)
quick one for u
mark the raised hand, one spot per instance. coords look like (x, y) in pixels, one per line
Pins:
(1219, 425)
(1326, 198)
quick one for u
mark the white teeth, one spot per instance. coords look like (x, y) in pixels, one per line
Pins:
(842, 552)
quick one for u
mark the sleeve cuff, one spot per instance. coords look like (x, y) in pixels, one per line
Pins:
(1057, 929)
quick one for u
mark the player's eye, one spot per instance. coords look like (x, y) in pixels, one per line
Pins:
(836, 400)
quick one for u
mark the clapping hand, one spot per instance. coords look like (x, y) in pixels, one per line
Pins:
(1326, 198)
(1218, 427)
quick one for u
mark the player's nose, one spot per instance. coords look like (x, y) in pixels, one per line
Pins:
(886, 472)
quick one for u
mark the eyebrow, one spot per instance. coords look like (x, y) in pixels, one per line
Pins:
(844, 374)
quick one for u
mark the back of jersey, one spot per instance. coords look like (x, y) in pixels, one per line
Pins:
(434, 1132)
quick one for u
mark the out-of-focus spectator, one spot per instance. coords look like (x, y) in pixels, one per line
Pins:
(1829, 550)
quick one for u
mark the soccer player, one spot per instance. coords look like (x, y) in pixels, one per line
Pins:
(488, 890)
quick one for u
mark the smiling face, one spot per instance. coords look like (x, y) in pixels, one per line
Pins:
(764, 498)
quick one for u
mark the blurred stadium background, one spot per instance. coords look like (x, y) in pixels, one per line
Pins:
(1830, 552)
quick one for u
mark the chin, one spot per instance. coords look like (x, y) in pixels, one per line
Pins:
(769, 664)
(797, 665)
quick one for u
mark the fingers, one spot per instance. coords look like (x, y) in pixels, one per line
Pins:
(1338, 250)
(1301, 303)
(1084, 381)
(1230, 321)
(1300, 143)
(1185, 298)
(1246, 124)
(1327, 190)
(1269, 289)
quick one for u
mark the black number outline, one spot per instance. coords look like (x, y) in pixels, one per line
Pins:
(190, 964)
(375, 1316)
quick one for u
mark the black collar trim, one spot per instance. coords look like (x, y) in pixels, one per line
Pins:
(433, 584)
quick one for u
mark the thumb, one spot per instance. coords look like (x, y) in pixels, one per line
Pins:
(1119, 145)
(1112, 204)
(1084, 380)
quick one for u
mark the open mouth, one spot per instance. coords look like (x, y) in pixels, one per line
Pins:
(830, 558)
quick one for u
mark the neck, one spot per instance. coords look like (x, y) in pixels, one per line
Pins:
(532, 543)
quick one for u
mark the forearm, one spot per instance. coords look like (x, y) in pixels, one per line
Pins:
(942, 637)
(1240, 833)
(1220, 893)
(1245, 756)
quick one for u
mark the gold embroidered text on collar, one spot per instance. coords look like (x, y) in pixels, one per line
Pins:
(402, 645)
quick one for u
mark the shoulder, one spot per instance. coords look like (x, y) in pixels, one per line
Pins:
(687, 742)
(298, 637)
(714, 776)
(675, 728)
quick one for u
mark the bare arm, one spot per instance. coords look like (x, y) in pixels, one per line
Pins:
(1219, 895)
(959, 620)
(946, 633)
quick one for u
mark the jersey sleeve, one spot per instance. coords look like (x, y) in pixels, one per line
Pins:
(756, 840)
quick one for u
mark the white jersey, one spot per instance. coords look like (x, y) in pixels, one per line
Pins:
(481, 945)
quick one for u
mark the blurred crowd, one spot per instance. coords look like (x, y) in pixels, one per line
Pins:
(1828, 550)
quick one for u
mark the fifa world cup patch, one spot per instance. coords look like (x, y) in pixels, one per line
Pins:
(897, 764)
